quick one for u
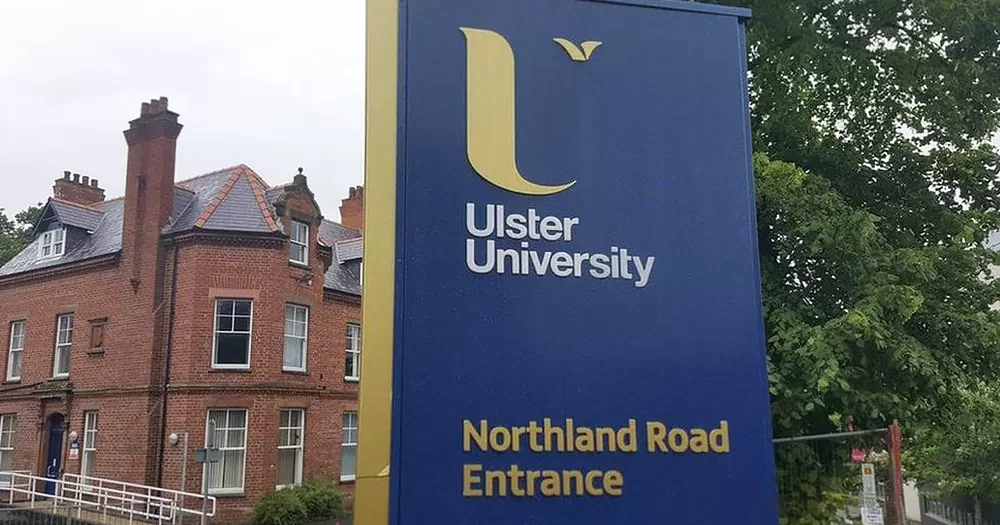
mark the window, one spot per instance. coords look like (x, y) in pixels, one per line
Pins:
(349, 447)
(53, 244)
(290, 434)
(296, 330)
(226, 476)
(232, 333)
(89, 445)
(299, 247)
(64, 344)
(352, 369)
(16, 349)
(8, 424)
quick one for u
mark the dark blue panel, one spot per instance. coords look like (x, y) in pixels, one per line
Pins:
(654, 129)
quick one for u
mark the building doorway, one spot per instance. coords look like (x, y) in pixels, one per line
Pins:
(53, 461)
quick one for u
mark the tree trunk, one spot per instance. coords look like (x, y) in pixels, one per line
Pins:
(979, 511)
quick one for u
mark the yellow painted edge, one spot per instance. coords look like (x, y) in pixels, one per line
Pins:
(371, 500)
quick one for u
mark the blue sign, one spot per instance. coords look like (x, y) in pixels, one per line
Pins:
(578, 335)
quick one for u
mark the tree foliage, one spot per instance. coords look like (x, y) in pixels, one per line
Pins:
(960, 456)
(15, 233)
(877, 191)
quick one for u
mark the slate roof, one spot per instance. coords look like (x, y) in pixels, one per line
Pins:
(233, 199)
(347, 278)
(72, 214)
(106, 239)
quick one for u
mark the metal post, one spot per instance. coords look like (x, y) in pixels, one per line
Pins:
(184, 471)
(209, 444)
(895, 439)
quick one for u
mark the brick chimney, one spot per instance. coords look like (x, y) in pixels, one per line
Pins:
(149, 188)
(352, 209)
(71, 188)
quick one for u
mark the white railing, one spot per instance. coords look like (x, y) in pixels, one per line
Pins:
(88, 485)
(6, 481)
(68, 495)
(103, 496)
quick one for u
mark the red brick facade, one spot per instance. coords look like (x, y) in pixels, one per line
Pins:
(152, 307)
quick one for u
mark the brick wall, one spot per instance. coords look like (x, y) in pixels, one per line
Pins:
(145, 320)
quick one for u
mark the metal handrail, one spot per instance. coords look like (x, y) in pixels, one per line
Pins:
(100, 499)
(7, 482)
(177, 496)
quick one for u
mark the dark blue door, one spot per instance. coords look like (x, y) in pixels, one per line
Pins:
(53, 463)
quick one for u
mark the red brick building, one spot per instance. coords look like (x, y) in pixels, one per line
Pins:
(213, 298)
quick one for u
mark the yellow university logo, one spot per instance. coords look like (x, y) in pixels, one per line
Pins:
(490, 110)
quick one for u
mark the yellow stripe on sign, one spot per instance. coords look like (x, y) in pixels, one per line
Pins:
(371, 500)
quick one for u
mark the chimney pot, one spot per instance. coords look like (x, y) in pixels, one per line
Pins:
(76, 177)
(163, 103)
(85, 181)
(67, 175)
(93, 183)
(145, 109)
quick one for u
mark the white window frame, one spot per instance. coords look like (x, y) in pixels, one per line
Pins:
(300, 446)
(9, 449)
(16, 349)
(90, 422)
(223, 449)
(349, 444)
(353, 354)
(304, 338)
(66, 346)
(55, 240)
(294, 240)
(216, 332)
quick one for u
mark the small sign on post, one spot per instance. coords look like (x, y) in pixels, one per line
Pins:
(871, 512)
(207, 455)
(74, 450)
(872, 516)
(868, 479)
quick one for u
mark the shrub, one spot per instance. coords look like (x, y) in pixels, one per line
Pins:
(321, 498)
(282, 507)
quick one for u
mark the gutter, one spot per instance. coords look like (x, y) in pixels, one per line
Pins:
(166, 374)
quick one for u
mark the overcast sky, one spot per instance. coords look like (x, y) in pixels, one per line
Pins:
(271, 85)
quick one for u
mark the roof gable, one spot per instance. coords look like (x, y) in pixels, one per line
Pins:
(349, 250)
(68, 214)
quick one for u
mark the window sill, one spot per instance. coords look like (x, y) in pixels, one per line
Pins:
(215, 370)
(352, 379)
(291, 371)
(297, 264)
(95, 351)
(59, 377)
(12, 381)
(347, 480)
(228, 495)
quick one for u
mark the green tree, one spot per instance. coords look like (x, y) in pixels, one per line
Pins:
(15, 233)
(877, 189)
(960, 456)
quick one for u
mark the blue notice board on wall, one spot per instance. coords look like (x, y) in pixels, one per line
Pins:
(577, 327)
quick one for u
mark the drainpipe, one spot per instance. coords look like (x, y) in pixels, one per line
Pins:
(166, 374)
